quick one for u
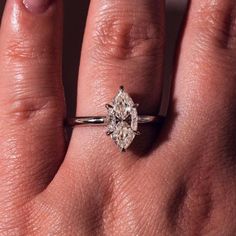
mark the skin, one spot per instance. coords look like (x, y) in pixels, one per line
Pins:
(175, 180)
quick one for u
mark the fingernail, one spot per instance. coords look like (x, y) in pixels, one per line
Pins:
(37, 6)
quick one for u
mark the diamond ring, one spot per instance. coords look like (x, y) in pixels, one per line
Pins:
(122, 120)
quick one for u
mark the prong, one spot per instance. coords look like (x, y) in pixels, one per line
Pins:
(109, 106)
(137, 133)
(136, 105)
(122, 88)
(109, 133)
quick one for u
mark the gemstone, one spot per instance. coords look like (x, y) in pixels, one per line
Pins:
(122, 120)
(123, 135)
(123, 104)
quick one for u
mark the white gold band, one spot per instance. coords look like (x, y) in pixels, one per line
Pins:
(103, 121)
(122, 120)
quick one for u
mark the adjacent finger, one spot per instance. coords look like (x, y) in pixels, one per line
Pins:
(205, 83)
(31, 97)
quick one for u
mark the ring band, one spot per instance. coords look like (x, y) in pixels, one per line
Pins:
(103, 120)
(122, 120)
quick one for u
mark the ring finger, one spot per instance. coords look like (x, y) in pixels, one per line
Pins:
(123, 45)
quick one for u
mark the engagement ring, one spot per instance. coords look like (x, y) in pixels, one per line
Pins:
(122, 120)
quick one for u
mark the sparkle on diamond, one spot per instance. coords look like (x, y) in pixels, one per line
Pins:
(122, 120)
(123, 135)
(123, 104)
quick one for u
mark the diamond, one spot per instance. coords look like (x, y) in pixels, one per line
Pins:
(123, 135)
(111, 118)
(122, 120)
(123, 104)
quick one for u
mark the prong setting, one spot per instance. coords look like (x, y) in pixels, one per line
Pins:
(109, 106)
(122, 119)
(137, 133)
(122, 88)
(109, 133)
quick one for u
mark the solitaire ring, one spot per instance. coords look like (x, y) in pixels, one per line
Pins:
(122, 120)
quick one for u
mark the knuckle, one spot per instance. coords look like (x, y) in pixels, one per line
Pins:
(25, 50)
(190, 208)
(217, 22)
(27, 109)
(198, 198)
(124, 39)
(19, 50)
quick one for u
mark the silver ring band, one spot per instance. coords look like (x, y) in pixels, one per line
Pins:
(122, 120)
(103, 121)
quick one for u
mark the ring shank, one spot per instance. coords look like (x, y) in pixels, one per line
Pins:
(102, 120)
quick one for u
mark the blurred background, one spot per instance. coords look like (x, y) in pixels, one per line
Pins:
(74, 23)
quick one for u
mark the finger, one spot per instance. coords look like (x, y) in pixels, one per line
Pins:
(202, 127)
(123, 45)
(203, 102)
(31, 97)
(205, 83)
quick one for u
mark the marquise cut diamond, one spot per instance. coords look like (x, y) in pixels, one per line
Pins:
(122, 120)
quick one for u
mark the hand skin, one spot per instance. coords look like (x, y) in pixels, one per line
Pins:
(178, 180)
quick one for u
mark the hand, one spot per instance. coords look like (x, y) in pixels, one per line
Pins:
(179, 180)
